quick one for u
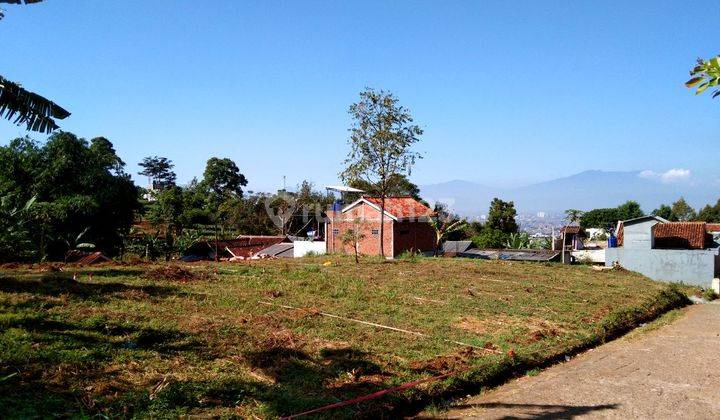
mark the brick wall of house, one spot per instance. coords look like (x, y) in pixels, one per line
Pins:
(367, 219)
(399, 236)
(417, 236)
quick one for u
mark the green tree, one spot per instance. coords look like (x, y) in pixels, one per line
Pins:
(705, 74)
(159, 171)
(15, 241)
(710, 213)
(573, 216)
(222, 177)
(77, 183)
(520, 240)
(682, 210)
(24, 107)
(629, 210)
(398, 186)
(501, 216)
(665, 212)
(353, 237)
(222, 181)
(381, 139)
(490, 238)
(600, 218)
(445, 224)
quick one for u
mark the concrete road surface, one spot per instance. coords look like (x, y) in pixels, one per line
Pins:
(669, 373)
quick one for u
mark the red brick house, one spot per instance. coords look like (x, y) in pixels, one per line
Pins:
(406, 226)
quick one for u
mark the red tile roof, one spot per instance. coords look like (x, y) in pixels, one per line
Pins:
(402, 207)
(680, 235)
(713, 227)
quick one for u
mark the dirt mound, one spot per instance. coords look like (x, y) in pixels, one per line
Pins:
(177, 273)
(455, 362)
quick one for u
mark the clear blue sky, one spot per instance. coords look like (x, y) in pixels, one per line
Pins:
(507, 92)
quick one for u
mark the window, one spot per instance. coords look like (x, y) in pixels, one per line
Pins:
(376, 232)
(336, 231)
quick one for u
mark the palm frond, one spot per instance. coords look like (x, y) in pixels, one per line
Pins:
(24, 107)
(2, 12)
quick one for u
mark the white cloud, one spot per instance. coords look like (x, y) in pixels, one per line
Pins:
(670, 176)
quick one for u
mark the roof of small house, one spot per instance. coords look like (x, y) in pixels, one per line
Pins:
(511, 254)
(713, 227)
(572, 230)
(681, 235)
(397, 208)
(247, 245)
(620, 229)
(456, 246)
(280, 250)
(85, 258)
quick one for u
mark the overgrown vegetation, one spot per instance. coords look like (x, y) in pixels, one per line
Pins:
(214, 340)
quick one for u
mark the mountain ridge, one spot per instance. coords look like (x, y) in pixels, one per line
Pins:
(585, 190)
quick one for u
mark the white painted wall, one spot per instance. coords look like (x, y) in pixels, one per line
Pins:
(593, 255)
(639, 235)
(302, 248)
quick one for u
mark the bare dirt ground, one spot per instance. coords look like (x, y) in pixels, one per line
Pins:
(670, 372)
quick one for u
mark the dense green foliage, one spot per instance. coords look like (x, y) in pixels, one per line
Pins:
(398, 185)
(79, 186)
(501, 216)
(159, 171)
(608, 217)
(682, 211)
(710, 213)
(665, 212)
(15, 241)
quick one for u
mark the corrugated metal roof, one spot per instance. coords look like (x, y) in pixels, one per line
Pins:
(456, 246)
(511, 254)
(281, 250)
(246, 245)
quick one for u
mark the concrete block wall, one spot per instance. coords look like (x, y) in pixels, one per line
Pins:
(689, 266)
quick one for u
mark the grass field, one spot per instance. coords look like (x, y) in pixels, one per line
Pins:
(129, 342)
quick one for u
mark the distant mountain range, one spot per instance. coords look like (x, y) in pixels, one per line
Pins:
(586, 190)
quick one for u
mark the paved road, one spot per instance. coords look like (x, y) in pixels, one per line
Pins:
(671, 372)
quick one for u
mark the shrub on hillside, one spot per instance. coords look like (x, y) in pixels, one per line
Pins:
(490, 238)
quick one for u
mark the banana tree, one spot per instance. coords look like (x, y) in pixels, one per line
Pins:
(518, 241)
(444, 226)
(15, 241)
(24, 107)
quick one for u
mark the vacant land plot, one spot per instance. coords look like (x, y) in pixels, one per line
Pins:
(254, 339)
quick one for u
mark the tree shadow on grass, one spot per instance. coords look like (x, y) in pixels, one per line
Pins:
(302, 381)
(52, 366)
(54, 285)
(110, 272)
(542, 411)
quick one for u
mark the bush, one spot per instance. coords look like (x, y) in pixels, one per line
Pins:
(490, 238)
